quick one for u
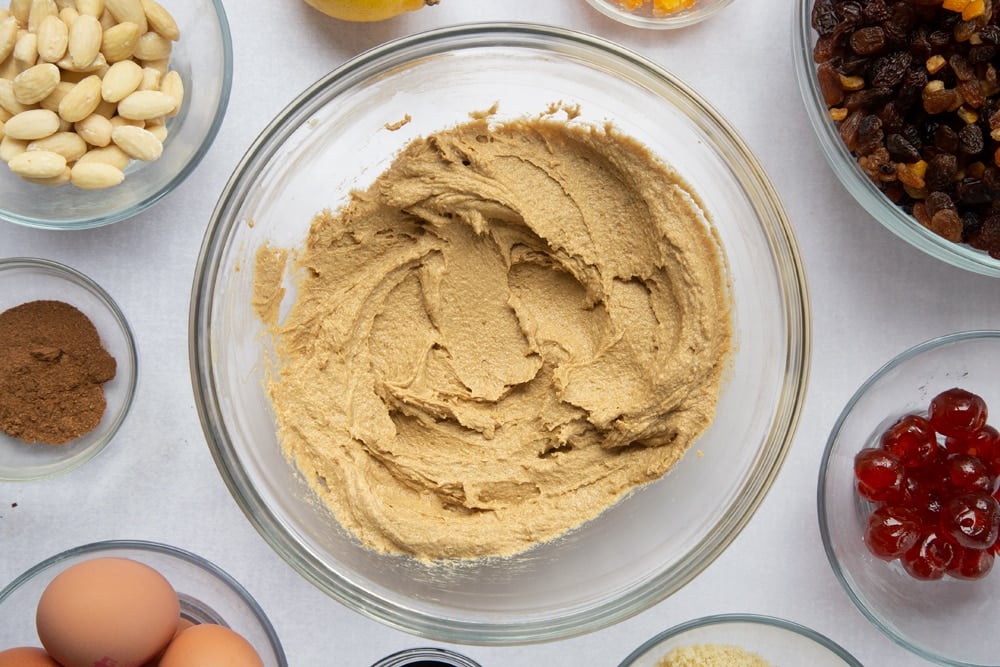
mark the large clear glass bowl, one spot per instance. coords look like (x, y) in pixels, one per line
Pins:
(949, 621)
(203, 56)
(333, 138)
(207, 593)
(855, 181)
(775, 640)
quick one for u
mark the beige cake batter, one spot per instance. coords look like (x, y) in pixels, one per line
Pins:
(513, 327)
(712, 655)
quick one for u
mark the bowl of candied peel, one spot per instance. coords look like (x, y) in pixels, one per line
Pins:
(659, 14)
(909, 498)
(904, 98)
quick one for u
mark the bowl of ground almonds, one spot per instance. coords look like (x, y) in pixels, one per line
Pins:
(106, 107)
(499, 333)
(68, 370)
(905, 101)
(739, 640)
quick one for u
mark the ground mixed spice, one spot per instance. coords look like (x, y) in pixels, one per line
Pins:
(52, 368)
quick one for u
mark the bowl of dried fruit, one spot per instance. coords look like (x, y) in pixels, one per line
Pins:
(904, 98)
(106, 108)
(749, 640)
(908, 499)
(659, 14)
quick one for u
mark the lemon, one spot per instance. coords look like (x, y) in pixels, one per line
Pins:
(367, 10)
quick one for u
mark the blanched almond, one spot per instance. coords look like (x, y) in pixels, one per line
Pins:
(119, 41)
(55, 97)
(40, 9)
(3, 122)
(11, 147)
(110, 154)
(35, 83)
(152, 46)
(68, 144)
(128, 11)
(173, 85)
(68, 16)
(20, 9)
(137, 143)
(120, 121)
(92, 7)
(160, 20)
(82, 100)
(121, 80)
(85, 38)
(8, 100)
(8, 37)
(146, 104)
(53, 37)
(26, 50)
(158, 131)
(95, 175)
(150, 79)
(95, 129)
(32, 124)
(37, 164)
(60, 179)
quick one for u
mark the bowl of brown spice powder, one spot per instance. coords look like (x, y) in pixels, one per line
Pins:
(68, 368)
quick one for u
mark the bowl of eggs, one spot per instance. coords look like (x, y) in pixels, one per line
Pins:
(111, 109)
(132, 603)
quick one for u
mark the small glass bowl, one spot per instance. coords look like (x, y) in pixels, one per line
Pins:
(845, 166)
(777, 641)
(426, 657)
(950, 622)
(207, 593)
(644, 17)
(24, 279)
(204, 58)
(297, 167)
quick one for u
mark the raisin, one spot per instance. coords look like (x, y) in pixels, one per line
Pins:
(900, 149)
(867, 98)
(824, 17)
(947, 224)
(941, 170)
(868, 41)
(889, 70)
(970, 140)
(875, 11)
(946, 139)
(972, 93)
(940, 101)
(829, 84)
(938, 201)
(961, 67)
(973, 191)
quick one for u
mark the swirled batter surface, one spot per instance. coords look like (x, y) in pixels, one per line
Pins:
(513, 327)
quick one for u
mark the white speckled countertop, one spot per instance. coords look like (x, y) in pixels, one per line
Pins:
(872, 296)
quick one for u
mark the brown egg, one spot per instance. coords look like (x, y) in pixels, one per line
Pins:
(209, 645)
(26, 656)
(107, 611)
(182, 625)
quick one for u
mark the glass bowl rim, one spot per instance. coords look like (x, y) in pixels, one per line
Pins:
(824, 529)
(669, 22)
(160, 548)
(134, 209)
(760, 619)
(759, 479)
(403, 658)
(68, 273)
(844, 166)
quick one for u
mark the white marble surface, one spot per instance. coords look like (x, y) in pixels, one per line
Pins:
(872, 296)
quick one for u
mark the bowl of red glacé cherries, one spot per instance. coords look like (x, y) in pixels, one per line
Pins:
(909, 499)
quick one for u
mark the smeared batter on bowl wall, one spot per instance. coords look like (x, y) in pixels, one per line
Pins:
(513, 327)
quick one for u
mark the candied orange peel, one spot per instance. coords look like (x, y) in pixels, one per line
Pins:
(659, 7)
(969, 9)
